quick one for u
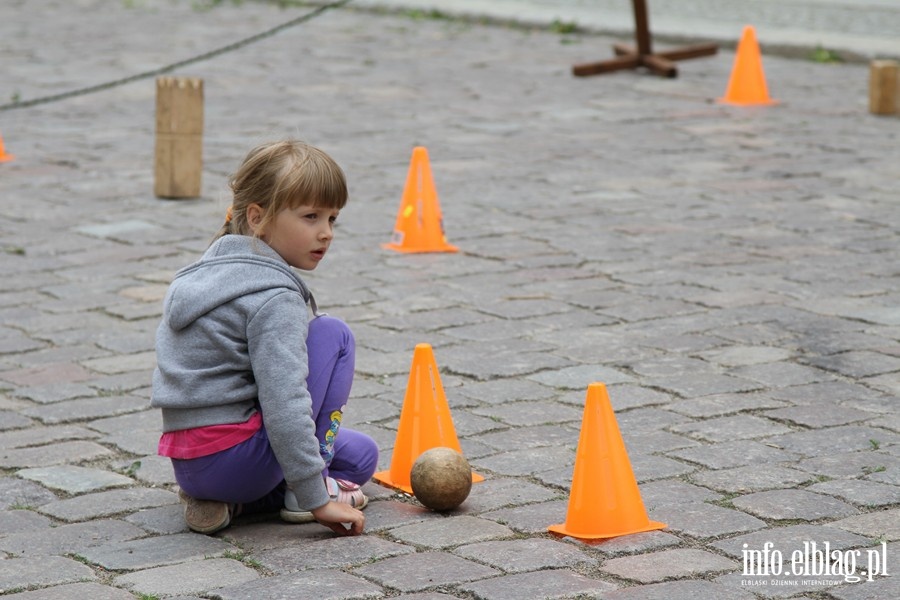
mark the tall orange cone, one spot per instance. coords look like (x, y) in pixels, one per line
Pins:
(4, 157)
(747, 85)
(425, 421)
(419, 226)
(604, 501)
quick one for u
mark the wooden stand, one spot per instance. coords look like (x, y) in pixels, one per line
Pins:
(179, 137)
(884, 87)
(628, 57)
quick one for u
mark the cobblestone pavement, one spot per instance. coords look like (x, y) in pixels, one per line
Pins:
(730, 273)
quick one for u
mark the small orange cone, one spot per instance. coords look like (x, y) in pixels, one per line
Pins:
(604, 501)
(4, 157)
(747, 85)
(425, 421)
(419, 226)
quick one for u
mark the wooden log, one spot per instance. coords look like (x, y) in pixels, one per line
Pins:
(884, 87)
(179, 137)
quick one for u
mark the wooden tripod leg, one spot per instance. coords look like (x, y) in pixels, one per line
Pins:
(614, 64)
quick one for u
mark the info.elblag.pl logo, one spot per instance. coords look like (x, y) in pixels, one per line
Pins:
(814, 562)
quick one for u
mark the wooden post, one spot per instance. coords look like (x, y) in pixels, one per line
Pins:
(884, 87)
(179, 137)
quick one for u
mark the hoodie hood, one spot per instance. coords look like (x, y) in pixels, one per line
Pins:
(232, 267)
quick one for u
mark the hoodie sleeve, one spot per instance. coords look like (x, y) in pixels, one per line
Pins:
(276, 337)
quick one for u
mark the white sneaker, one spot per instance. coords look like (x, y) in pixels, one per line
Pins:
(340, 490)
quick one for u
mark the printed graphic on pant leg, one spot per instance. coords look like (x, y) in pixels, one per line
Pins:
(327, 447)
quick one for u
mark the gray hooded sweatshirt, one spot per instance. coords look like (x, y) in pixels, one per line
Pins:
(233, 341)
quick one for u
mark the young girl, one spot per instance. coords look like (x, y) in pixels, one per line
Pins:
(251, 390)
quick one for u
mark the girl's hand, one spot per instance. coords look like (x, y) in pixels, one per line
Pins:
(337, 517)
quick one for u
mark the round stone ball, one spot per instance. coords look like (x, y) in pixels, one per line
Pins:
(441, 478)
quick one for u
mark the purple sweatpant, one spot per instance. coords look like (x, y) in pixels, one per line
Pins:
(249, 472)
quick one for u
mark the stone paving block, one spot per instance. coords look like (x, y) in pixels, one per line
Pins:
(793, 504)
(670, 366)
(679, 590)
(156, 551)
(505, 390)
(518, 556)
(424, 570)
(790, 538)
(53, 454)
(426, 596)
(336, 553)
(55, 392)
(723, 429)
(94, 591)
(17, 573)
(69, 539)
(841, 392)
(733, 454)
(824, 415)
(702, 520)
(781, 374)
(574, 378)
(390, 514)
(692, 385)
(46, 374)
(625, 395)
(651, 442)
(156, 471)
(636, 543)
(858, 363)
(44, 435)
(322, 584)
(723, 404)
(17, 494)
(531, 437)
(676, 563)
(850, 464)
(883, 524)
(143, 361)
(73, 479)
(674, 491)
(13, 420)
(648, 467)
(823, 441)
(858, 491)
(19, 521)
(548, 585)
(451, 531)
(80, 409)
(103, 504)
(532, 518)
(737, 356)
(164, 520)
(193, 577)
(752, 478)
(531, 413)
(145, 420)
(525, 461)
(641, 420)
(492, 494)
(887, 587)
(140, 442)
(257, 533)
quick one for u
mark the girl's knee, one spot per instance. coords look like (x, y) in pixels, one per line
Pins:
(332, 327)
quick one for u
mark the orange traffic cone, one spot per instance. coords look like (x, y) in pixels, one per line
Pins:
(425, 421)
(747, 85)
(604, 501)
(4, 157)
(419, 226)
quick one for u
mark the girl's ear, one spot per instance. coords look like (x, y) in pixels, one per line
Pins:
(254, 218)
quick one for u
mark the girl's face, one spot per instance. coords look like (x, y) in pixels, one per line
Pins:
(301, 235)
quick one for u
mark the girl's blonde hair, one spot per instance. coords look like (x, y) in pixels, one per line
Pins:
(280, 175)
